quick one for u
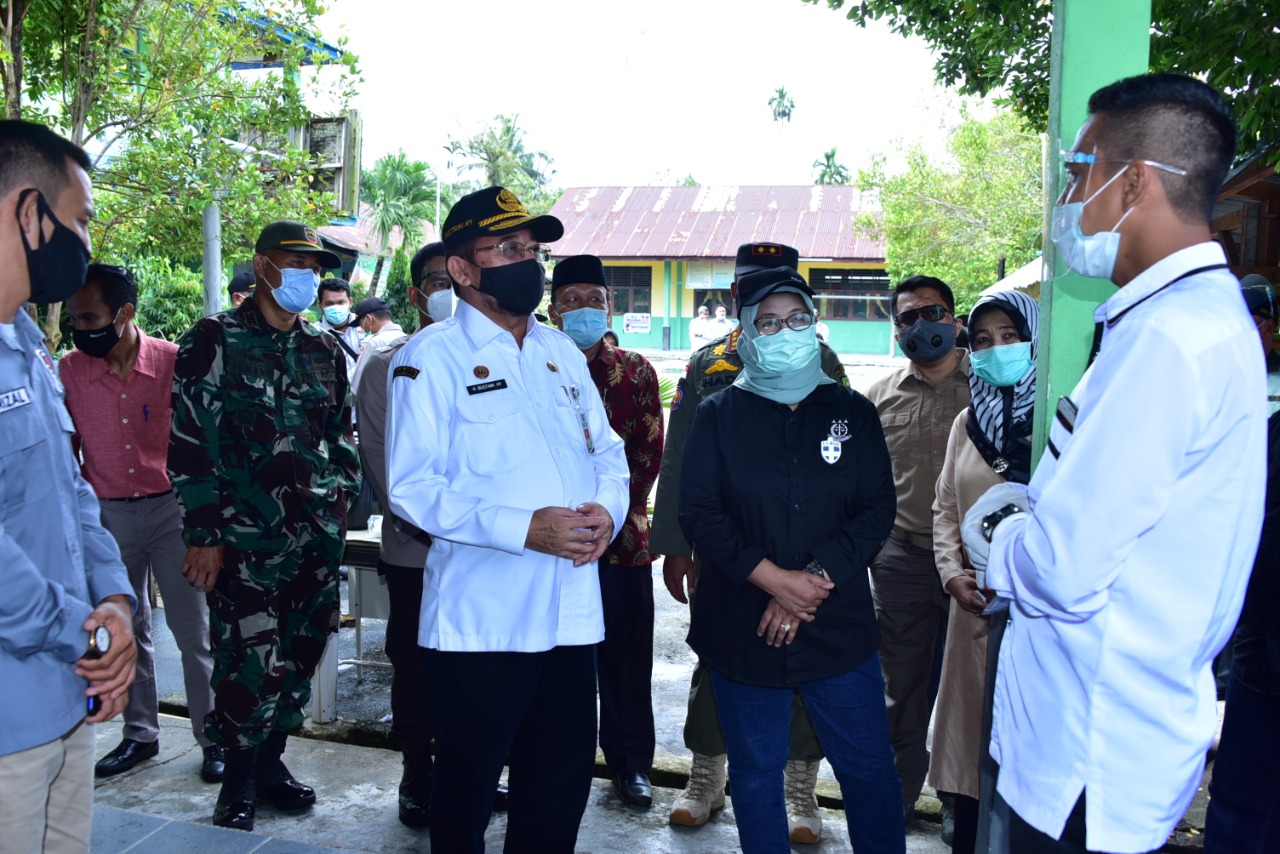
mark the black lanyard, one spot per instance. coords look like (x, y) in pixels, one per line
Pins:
(1100, 325)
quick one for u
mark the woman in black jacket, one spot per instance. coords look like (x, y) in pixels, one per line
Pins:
(786, 493)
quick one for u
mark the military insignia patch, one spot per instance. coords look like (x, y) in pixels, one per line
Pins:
(719, 349)
(841, 377)
(481, 372)
(405, 371)
(839, 430)
(679, 397)
(721, 365)
(311, 234)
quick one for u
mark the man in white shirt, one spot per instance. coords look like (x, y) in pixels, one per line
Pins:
(500, 449)
(700, 329)
(373, 319)
(1128, 572)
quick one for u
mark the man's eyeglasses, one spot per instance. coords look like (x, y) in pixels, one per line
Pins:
(770, 325)
(512, 250)
(1091, 159)
(931, 313)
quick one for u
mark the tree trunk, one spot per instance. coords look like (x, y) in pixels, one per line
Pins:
(52, 325)
(377, 274)
(11, 14)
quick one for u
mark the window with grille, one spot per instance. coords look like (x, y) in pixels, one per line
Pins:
(851, 294)
(630, 288)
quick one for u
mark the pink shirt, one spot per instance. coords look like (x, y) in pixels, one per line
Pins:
(122, 426)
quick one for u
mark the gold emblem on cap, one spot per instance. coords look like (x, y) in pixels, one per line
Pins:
(311, 234)
(508, 202)
(765, 249)
(481, 372)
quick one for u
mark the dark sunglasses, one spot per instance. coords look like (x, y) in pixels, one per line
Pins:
(931, 313)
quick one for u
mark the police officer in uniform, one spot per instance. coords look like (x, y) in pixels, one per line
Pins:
(262, 459)
(712, 369)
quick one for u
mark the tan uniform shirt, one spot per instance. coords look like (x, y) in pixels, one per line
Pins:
(917, 419)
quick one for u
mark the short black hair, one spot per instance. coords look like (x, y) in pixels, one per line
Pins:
(916, 283)
(116, 285)
(380, 314)
(335, 284)
(420, 259)
(30, 152)
(1175, 120)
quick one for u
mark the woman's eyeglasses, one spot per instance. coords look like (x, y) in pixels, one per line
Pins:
(770, 325)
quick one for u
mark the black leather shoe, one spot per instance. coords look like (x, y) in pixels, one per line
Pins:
(500, 799)
(415, 789)
(214, 766)
(287, 794)
(635, 789)
(124, 757)
(234, 814)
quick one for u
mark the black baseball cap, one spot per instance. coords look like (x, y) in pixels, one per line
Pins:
(241, 283)
(369, 305)
(764, 256)
(494, 211)
(578, 270)
(754, 287)
(290, 236)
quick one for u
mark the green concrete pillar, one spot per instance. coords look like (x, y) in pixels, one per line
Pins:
(1095, 42)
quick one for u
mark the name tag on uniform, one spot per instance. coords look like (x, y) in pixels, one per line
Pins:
(481, 388)
(14, 398)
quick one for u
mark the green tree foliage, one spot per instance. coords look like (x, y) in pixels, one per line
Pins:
(829, 170)
(782, 105)
(170, 298)
(957, 218)
(147, 87)
(1003, 45)
(498, 152)
(400, 193)
(397, 292)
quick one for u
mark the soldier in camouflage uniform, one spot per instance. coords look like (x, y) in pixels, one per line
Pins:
(713, 369)
(262, 459)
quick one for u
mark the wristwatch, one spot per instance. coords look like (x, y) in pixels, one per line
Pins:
(99, 642)
(815, 568)
(990, 521)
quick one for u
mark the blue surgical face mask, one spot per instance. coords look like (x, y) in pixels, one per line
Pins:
(781, 353)
(1092, 255)
(1002, 366)
(585, 326)
(297, 289)
(337, 314)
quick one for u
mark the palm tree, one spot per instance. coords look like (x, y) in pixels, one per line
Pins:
(400, 193)
(499, 151)
(829, 171)
(782, 105)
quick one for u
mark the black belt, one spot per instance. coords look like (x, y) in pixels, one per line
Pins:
(142, 497)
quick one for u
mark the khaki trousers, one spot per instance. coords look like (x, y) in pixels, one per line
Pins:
(46, 796)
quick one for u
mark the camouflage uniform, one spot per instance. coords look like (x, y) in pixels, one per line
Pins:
(710, 370)
(262, 459)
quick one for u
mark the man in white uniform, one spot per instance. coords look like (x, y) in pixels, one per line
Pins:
(1128, 572)
(501, 451)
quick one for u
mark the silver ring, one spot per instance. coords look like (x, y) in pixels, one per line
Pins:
(786, 627)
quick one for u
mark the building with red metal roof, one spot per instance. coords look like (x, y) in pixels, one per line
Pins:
(668, 250)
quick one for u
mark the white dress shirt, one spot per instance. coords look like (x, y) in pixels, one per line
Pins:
(483, 434)
(1129, 573)
(380, 340)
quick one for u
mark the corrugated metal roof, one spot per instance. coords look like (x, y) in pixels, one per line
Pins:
(710, 223)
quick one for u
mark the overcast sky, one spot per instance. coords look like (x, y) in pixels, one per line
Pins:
(647, 92)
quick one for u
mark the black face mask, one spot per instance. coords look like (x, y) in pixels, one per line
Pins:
(927, 341)
(56, 267)
(518, 287)
(97, 342)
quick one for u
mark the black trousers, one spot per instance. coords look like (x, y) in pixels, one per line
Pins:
(1025, 839)
(624, 667)
(532, 711)
(410, 705)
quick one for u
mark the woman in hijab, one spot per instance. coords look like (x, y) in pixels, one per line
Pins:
(786, 493)
(990, 443)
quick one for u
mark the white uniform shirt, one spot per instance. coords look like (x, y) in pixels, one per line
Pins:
(1129, 574)
(380, 340)
(482, 435)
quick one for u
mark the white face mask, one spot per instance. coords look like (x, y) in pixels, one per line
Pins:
(440, 304)
(1092, 255)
